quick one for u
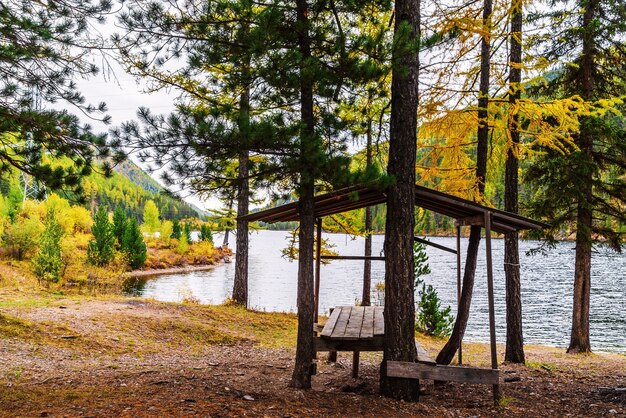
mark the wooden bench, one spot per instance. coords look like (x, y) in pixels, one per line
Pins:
(356, 329)
(422, 370)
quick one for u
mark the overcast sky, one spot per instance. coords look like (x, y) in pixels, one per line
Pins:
(123, 95)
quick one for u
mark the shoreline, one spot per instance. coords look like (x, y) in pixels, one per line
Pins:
(174, 270)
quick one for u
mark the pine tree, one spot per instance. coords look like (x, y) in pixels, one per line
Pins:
(134, 246)
(101, 249)
(44, 49)
(582, 189)
(187, 231)
(205, 233)
(47, 262)
(120, 223)
(176, 231)
(399, 344)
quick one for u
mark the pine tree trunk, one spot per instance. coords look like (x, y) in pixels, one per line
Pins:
(301, 377)
(367, 264)
(514, 332)
(447, 352)
(240, 285)
(399, 340)
(579, 340)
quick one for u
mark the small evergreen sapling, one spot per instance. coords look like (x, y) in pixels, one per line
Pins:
(187, 232)
(101, 249)
(134, 246)
(47, 263)
(431, 319)
(176, 231)
(120, 221)
(205, 233)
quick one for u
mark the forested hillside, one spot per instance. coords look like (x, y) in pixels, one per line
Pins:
(131, 187)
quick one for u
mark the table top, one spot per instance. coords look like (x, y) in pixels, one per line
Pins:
(354, 323)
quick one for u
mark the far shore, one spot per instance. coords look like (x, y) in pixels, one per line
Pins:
(174, 270)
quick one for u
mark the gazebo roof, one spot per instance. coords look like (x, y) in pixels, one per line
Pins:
(464, 211)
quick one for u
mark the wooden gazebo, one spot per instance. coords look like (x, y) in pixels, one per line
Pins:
(340, 334)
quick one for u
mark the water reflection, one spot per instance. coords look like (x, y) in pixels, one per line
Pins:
(547, 283)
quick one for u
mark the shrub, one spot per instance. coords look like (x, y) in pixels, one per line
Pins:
(22, 236)
(134, 246)
(431, 319)
(151, 221)
(47, 262)
(183, 245)
(101, 249)
(165, 233)
(82, 219)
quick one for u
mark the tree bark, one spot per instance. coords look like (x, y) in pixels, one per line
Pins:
(367, 264)
(447, 352)
(399, 340)
(579, 340)
(514, 332)
(301, 377)
(240, 285)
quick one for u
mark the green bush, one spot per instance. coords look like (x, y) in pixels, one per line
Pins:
(47, 262)
(134, 246)
(101, 249)
(431, 319)
(22, 236)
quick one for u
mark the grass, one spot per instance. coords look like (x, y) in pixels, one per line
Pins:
(114, 324)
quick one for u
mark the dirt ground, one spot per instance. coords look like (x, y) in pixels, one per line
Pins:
(91, 357)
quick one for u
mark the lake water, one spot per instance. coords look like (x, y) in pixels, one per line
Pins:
(547, 283)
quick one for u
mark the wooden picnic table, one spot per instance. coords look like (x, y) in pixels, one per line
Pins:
(354, 323)
(357, 328)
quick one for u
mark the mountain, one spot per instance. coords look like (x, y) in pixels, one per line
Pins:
(131, 187)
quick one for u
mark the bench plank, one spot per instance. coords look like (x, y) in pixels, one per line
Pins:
(367, 329)
(353, 329)
(342, 322)
(409, 370)
(332, 321)
(379, 321)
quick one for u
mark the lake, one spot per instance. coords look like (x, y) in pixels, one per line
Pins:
(547, 283)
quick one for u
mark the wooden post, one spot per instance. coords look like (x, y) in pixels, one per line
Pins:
(355, 364)
(458, 283)
(332, 355)
(492, 315)
(318, 261)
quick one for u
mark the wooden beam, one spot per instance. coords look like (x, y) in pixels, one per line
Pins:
(458, 285)
(432, 244)
(318, 261)
(351, 257)
(422, 371)
(492, 313)
(327, 344)
(471, 220)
